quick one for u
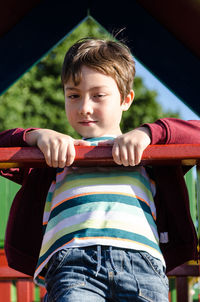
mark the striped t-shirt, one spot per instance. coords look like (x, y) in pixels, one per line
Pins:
(110, 206)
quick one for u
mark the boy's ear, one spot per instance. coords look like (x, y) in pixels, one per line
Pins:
(128, 101)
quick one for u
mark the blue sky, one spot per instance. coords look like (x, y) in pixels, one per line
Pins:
(165, 97)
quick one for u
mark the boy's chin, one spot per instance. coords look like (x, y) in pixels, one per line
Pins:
(89, 134)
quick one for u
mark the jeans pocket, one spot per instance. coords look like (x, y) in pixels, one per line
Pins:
(157, 266)
(151, 278)
(65, 274)
(56, 262)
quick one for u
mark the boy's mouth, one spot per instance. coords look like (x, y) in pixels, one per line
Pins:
(87, 123)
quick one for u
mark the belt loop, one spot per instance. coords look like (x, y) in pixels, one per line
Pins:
(98, 259)
(111, 259)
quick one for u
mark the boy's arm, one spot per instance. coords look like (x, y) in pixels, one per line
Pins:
(128, 148)
(174, 131)
(58, 148)
(14, 137)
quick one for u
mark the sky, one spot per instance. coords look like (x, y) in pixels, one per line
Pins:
(173, 103)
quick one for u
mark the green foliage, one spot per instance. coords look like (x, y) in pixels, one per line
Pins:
(144, 109)
(37, 100)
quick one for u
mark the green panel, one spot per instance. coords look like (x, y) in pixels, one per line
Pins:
(198, 201)
(13, 292)
(191, 186)
(172, 288)
(37, 294)
(8, 190)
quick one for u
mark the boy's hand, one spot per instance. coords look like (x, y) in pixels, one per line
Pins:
(128, 148)
(58, 148)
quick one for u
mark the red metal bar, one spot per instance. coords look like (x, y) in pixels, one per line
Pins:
(102, 155)
(24, 291)
(24, 283)
(6, 272)
(5, 291)
(42, 293)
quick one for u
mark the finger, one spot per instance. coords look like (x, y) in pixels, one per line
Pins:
(62, 155)
(116, 154)
(46, 152)
(138, 154)
(54, 150)
(70, 154)
(124, 155)
(81, 142)
(47, 155)
(131, 156)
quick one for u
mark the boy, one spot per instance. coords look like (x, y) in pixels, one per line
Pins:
(100, 238)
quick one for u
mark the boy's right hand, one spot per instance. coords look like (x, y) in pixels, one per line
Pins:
(58, 148)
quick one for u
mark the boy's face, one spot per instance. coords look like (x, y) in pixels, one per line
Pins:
(94, 107)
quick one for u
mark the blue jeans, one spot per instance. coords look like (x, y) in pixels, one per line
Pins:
(100, 273)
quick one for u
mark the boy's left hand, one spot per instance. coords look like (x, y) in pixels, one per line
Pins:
(128, 148)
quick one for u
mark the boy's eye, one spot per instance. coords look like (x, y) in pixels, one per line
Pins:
(73, 96)
(99, 95)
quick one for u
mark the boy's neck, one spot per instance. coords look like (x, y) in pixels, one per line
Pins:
(108, 134)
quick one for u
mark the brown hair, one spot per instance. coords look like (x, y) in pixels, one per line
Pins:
(112, 58)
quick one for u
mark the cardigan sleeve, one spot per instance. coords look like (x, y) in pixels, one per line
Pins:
(14, 138)
(174, 131)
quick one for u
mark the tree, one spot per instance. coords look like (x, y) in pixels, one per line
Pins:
(37, 99)
(145, 108)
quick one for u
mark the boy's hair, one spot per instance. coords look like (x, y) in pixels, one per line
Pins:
(109, 57)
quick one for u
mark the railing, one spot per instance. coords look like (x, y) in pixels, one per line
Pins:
(89, 156)
(102, 155)
(25, 290)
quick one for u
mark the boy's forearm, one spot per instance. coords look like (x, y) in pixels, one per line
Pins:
(31, 137)
(174, 131)
(14, 137)
(146, 131)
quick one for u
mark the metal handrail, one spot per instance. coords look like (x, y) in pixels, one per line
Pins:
(185, 154)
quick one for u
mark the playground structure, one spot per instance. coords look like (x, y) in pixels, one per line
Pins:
(187, 155)
(163, 36)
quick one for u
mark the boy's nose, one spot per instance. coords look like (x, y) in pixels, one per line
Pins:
(85, 107)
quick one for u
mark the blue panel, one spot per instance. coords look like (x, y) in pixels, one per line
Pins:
(173, 64)
(35, 35)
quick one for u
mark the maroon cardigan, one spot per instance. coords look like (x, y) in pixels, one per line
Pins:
(24, 228)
